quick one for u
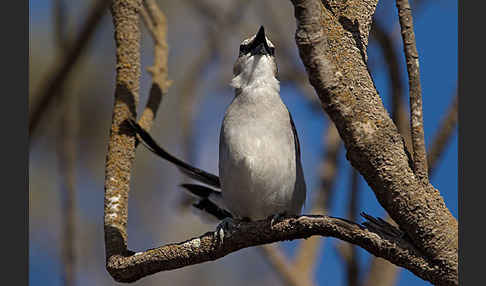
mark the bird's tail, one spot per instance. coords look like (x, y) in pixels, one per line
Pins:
(209, 200)
(192, 172)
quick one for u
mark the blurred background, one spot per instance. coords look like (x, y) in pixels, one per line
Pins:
(203, 39)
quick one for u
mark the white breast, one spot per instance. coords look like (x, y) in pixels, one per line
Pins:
(257, 160)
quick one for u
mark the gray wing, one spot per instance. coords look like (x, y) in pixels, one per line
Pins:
(296, 137)
(300, 185)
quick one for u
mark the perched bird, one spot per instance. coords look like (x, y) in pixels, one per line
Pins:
(260, 167)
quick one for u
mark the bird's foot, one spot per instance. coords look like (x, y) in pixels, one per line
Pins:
(276, 217)
(224, 228)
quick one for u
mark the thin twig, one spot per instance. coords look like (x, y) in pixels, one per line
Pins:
(58, 76)
(67, 149)
(308, 252)
(381, 273)
(415, 90)
(66, 152)
(443, 136)
(352, 266)
(290, 275)
(156, 23)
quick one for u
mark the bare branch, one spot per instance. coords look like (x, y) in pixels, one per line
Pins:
(332, 42)
(129, 267)
(352, 265)
(156, 23)
(67, 143)
(442, 136)
(416, 114)
(399, 114)
(66, 152)
(121, 147)
(60, 23)
(59, 75)
(290, 275)
(308, 251)
(382, 273)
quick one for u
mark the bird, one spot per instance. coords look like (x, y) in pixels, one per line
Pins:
(260, 168)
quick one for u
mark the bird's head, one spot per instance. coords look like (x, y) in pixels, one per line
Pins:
(256, 60)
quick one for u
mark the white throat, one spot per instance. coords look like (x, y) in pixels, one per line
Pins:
(256, 72)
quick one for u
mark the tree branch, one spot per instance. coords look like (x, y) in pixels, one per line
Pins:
(399, 114)
(332, 40)
(129, 267)
(290, 275)
(352, 265)
(66, 141)
(59, 75)
(442, 136)
(416, 113)
(156, 23)
(121, 147)
(381, 272)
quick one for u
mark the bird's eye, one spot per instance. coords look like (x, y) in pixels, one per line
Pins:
(243, 49)
(272, 50)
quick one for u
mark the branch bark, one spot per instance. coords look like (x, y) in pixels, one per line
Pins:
(415, 90)
(381, 272)
(156, 23)
(121, 147)
(332, 40)
(129, 267)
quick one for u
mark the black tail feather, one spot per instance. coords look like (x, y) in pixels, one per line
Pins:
(192, 172)
(205, 204)
(200, 190)
(213, 209)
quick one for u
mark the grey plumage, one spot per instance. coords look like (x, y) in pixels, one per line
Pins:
(259, 153)
(259, 157)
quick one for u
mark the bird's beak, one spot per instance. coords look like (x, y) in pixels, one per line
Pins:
(259, 45)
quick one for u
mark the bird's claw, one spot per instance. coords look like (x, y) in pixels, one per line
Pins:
(223, 229)
(275, 217)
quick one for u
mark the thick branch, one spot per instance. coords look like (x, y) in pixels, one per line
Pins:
(61, 73)
(391, 57)
(208, 247)
(381, 272)
(416, 114)
(332, 45)
(121, 148)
